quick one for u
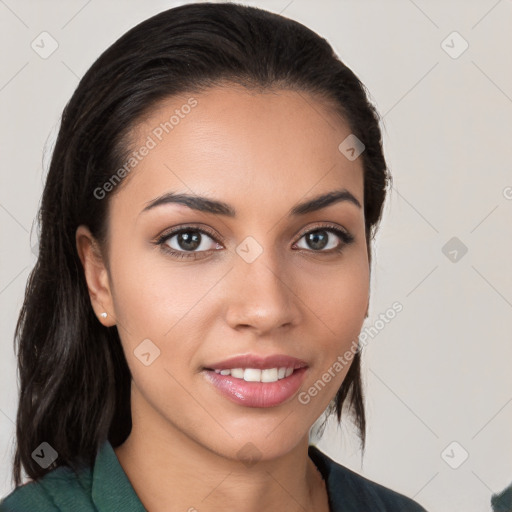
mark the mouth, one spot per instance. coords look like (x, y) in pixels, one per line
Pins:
(256, 374)
(254, 381)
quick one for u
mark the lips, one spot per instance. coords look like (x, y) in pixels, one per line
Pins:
(255, 381)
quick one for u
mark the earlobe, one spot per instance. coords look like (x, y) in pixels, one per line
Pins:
(96, 275)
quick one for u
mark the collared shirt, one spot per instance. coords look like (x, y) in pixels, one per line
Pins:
(106, 488)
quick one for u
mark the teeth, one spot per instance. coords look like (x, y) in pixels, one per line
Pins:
(269, 375)
(256, 375)
(252, 375)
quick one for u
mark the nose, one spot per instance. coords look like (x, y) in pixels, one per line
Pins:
(261, 295)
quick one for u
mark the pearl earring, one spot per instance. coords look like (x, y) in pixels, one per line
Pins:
(104, 314)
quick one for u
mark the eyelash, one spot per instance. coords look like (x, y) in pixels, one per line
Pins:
(345, 236)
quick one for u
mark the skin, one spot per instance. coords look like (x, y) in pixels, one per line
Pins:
(262, 153)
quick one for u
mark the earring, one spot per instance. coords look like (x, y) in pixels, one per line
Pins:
(104, 314)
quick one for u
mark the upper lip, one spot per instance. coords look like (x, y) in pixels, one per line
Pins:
(258, 362)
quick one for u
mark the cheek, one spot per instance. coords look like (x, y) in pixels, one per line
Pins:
(340, 308)
(339, 297)
(156, 305)
(346, 307)
(340, 305)
(152, 293)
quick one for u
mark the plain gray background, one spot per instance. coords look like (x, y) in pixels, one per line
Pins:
(437, 377)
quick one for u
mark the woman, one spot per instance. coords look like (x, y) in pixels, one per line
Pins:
(203, 273)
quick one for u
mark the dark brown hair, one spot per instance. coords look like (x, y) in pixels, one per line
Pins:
(74, 379)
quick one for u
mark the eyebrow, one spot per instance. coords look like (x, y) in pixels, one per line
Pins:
(208, 205)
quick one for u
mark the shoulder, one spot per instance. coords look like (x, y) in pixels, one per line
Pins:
(376, 495)
(59, 490)
(347, 488)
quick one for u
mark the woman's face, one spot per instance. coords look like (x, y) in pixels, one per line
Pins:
(250, 283)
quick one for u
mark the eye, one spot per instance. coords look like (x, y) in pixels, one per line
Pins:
(321, 238)
(186, 242)
(190, 241)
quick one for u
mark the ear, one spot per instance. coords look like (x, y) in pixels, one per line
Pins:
(96, 275)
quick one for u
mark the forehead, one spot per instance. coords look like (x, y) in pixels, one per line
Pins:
(245, 147)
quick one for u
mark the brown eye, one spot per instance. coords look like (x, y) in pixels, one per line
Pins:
(187, 242)
(317, 240)
(323, 240)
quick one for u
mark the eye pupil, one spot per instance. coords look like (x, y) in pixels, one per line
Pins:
(317, 239)
(189, 242)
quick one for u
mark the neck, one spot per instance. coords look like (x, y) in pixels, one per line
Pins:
(170, 471)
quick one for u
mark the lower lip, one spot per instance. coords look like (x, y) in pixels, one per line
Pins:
(257, 394)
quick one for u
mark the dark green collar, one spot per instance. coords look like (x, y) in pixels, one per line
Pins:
(111, 489)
